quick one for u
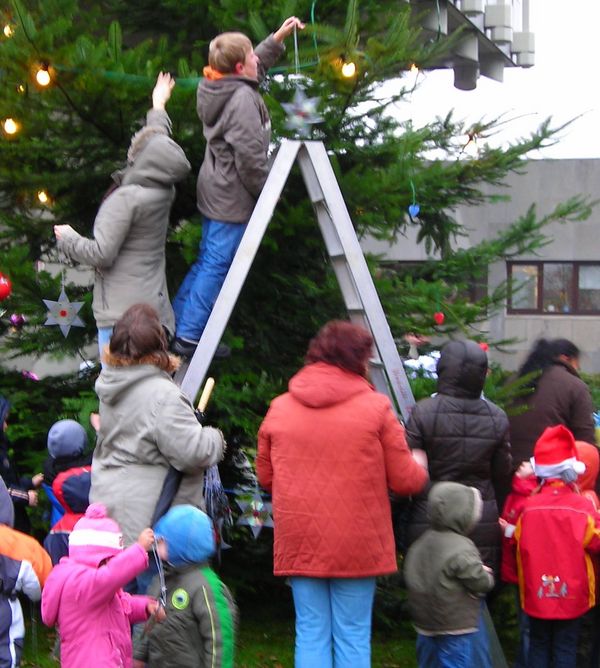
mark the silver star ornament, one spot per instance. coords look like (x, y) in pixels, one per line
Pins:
(63, 313)
(302, 113)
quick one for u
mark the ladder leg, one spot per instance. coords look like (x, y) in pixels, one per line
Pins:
(234, 281)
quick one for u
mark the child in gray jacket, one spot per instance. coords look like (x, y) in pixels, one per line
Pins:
(446, 579)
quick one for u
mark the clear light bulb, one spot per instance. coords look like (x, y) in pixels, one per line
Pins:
(8, 31)
(348, 70)
(10, 126)
(42, 76)
(42, 197)
(414, 68)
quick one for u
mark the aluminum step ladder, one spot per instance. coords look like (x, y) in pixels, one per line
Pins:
(356, 284)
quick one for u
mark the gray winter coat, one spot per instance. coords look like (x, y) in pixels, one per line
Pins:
(146, 425)
(128, 248)
(237, 129)
(466, 440)
(443, 570)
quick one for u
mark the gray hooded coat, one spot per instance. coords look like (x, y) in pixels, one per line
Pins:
(237, 129)
(130, 230)
(466, 440)
(443, 570)
(146, 425)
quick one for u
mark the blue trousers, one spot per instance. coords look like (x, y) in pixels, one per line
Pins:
(333, 622)
(445, 651)
(200, 288)
(459, 651)
(104, 334)
(553, 642)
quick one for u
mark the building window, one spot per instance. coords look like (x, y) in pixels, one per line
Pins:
(554, 288)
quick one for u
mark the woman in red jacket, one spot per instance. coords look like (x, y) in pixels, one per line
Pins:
(329, 450)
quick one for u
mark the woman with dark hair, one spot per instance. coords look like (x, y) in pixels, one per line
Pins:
(146, 425)
(329, 450)
(559, 397)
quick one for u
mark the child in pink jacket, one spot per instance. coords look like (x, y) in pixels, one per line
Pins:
(83, 594)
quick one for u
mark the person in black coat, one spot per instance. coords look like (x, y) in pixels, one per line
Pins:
(466, 438)
(20, 488)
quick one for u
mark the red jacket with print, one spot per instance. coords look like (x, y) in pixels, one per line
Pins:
(557, 530)
(522, 488)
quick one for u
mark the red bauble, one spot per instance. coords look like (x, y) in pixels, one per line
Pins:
(439, 318)
(5, 287)
(484, 346)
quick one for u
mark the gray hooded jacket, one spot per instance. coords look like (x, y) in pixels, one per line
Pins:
(146, 425)
(443, 570)
(130, 230)
(237, 129)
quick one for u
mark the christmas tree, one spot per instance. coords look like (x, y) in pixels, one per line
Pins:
(67, 128)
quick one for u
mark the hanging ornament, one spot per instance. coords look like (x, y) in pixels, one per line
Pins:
(484, 346)
(29, 375)
(302, 113)
(17, 320)
(63, 313)
(5, 287)
(217, 503)
(439, 318)
(255, 513)
(414, 209)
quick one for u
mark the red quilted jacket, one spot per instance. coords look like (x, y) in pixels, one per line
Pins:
(557, 530)
(329, 450)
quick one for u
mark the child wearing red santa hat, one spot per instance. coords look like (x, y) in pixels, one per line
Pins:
(554, 536)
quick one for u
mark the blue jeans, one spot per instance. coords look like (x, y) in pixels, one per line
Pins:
(333, 621)
(200, 288)
(104, 334)
(445, 651)
(553, 642)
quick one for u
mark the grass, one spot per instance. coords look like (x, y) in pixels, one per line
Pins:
(266, 635)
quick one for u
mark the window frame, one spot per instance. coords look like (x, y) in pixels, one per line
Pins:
(539, 310)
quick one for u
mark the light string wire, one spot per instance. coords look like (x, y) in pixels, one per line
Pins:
(183, 82)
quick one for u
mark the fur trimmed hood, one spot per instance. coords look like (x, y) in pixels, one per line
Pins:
(154, 359)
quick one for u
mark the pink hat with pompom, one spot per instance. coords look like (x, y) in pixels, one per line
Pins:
(95, 534)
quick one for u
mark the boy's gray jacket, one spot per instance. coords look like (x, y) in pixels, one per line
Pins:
(237, 129)
(146, 425)
(443, 570)
(130, 230)
(199, 630)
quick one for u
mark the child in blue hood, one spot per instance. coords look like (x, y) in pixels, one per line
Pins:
(199, 629)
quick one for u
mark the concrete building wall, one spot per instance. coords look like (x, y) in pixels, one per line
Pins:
(545, 183)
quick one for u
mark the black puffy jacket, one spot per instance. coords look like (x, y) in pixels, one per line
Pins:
(466, 439)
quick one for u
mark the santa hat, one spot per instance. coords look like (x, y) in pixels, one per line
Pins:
(95, 535)
(555, 456)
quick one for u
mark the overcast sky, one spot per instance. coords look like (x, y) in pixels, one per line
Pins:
(564, 83)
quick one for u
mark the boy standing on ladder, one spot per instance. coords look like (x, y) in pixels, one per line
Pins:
(237, 129)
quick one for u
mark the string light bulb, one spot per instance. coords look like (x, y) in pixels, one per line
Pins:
(348, 69)
(8, 31)
(10, 126)
(414, 68)
(21, 88)
(43, 197)
(42, 75)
